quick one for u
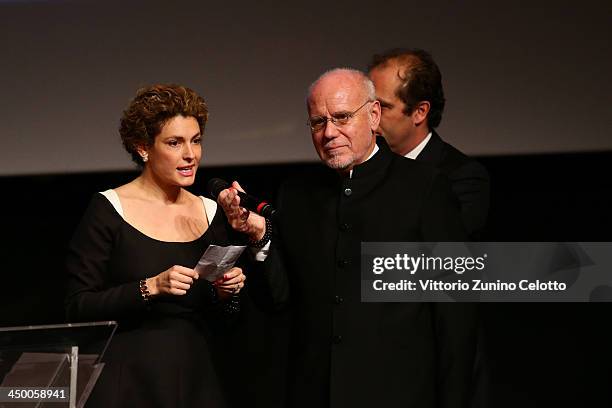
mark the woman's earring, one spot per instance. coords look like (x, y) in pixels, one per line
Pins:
(145, 158)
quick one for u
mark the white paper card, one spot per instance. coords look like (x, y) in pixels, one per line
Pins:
(217, 260)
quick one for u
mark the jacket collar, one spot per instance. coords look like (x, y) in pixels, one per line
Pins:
(376, 163)
(432, 153)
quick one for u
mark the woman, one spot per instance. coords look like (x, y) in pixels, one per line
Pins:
(132, 258)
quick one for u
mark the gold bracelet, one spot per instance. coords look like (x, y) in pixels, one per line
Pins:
(144, 291)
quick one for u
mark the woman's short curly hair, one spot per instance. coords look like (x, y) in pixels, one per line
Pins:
(151, 108)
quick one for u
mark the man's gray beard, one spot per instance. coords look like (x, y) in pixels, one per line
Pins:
(334, 162)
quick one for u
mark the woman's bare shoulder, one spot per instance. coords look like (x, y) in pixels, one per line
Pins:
(127, 191)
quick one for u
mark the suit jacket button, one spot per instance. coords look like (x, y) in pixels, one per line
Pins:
(337, 339)
(338, 300)
(348, 191)
(342, 263)
(345, 227)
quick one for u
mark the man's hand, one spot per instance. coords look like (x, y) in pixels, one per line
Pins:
(241, 219)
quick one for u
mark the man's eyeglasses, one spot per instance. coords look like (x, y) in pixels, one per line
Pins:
(317, 123)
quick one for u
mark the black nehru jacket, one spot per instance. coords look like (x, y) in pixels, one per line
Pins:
(345, 353)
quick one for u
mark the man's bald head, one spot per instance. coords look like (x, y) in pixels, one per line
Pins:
(357, 80)
(343, 114)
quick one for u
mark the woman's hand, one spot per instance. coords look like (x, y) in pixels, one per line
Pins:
(174, 281)
(231, 283)
(241, 219)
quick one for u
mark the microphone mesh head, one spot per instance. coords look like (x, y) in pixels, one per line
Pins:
(215, 186)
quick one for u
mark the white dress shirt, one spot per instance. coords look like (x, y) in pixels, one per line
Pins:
(414, 153)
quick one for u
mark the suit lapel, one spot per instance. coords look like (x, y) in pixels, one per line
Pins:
(433, 151)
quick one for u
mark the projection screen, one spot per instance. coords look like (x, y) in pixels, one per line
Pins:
(519, 77)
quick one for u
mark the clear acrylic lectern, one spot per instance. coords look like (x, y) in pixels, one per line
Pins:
(53, 365)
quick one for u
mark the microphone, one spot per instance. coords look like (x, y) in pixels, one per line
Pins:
(216, 185)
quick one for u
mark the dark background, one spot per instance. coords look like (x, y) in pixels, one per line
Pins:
(537, 355)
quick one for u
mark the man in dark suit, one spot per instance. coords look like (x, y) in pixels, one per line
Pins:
(345, 353)
(409, 88)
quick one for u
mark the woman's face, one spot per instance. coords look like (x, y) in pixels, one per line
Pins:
(176, 152)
